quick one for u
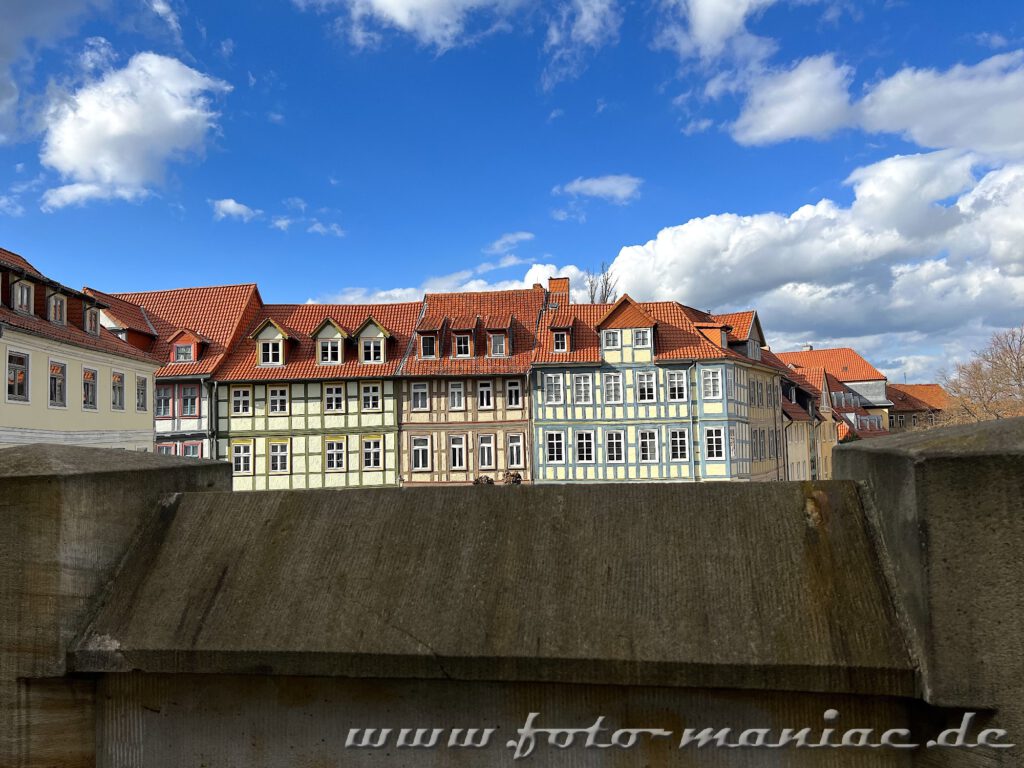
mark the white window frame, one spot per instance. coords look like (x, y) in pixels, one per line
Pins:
(61, 318)
(645, 334)
(488, 441)
(423, 352)
(421, 451)
(457, 442)
(367, 388)
(158, 411)
(335, 397)
(373, 448)
(185, 448)
(92, 322)
(652, 444)
(608, 440)
(678, 438)
(178, 358)
(195, 411)
(561, 341)
(457, 387)
(711, 383)
(550, 388)
(278, 401)
(28, 305)
(334, 453)
(114, 406)
(167, 449)
(605, 381)
(271, 352)
(275, 457)
(482, 386)
(607, 338)
(371, 349)
(680, 383)
(549, 439)
(333, 350)
(652, 377)
(419, 389)
(504, 346)
(95, 390)
(239, 396)
(515, 450)
(245, 455)
(709, 433)
(141, 388)
(513, 385)
(457, 342)
(587, 435)
(64, 384)
(587, 380)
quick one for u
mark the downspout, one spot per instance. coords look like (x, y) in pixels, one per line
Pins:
(693, 434)
(212, 413)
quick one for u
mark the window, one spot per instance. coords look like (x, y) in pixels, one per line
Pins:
(23, 297)
(58, 309)
(89, 378)
(117, 391)
(751, 393)
(456, 396)
(428, 346)
(334, 455)
(902, 420)
(457, 451)
(485, 451)
(334, 398)
(771, 444)
(189, 399)
(648, 442)
(645, 387)
(615, 447)
(162, 405)
(92, 322)
(714, 445)
(711, 383)
(241, 458)
(676, 385)
(755, 452)
(760, 394)
(277, 400)
(513, 394)
(420, 396)
(515, 451)
(485, 395)
(270, 353)
(330, 351)
(58, 385)
(555, 443)
(677, 450)
(373, 458)
(167, 449)
(462, 345)
(612, 340)
(613, 387)
(582, 388)
(141, 393)
(761, 441)
(642, 338)
(561, 341)
(279, 457)
(421, 454)
(553, 394)
(371, 396)
(192, 450)
(183, 353)
(497, 345)
(585, 447)
(373, 350)
(892, 421)
(241, 401)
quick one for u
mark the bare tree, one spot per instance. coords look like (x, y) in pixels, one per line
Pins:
(991, 384)
(601, 286)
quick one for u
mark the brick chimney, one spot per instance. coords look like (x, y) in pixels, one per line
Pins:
(558, 291)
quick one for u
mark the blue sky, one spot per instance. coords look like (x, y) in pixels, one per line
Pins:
(851, 170)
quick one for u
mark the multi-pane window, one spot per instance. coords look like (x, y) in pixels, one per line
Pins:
(462, 345)
(513, 394)
(456, 396)
(117, 391)
(373, 350)
(183, 353)
(647, 440)
(58, 385)
(277, 398)
(165, 450)
(420, 454)
(515, 451)
(677, 449)
(373, 457)
(612, 340)
(711, 383)
(334, 398)
(751, 392)
(92, 322)
(553, 394)
(23, 297)
(330, 351)
(89, 379)
(582, 388)
(270, 353)
(761, 440)
(428, 346)
(189, 400)
(498, 345)
(371, 396)
(241, 401)
(676, 385)
(760, 393)
(457, 451)
(141, 393)
(714, 443)
(192, 450)
(615, 447)
(334, 455)
(613, 387)
(164, 398)
(58, 310)
(645, 392)
(755, 446)
(585, 447)
(17, 376)
(642, 338)
(420, 396)
(555, 444)
(561, 341)
(485, 451)
(279, 457)
(241, 458)
(485, 395)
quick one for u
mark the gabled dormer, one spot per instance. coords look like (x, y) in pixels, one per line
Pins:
(428, 334)
(626, 323)
(499, 335)
(271, 342)
(57, 308)
(371, 341)
(186, 346)
(23, 296)
(463, 334)
(91, 320)
(330, 338)
(561, 333)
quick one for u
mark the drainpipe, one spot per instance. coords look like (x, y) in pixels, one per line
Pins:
(212, 414)
(693, 434)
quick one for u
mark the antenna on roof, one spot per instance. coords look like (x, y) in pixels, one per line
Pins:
(808, 347)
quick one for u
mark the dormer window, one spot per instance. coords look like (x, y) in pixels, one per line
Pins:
(330, 351)
(58, 309)
(270, 352)
(428, 347)
(561, 341)
(373, 350)
(462, 345)
(612, 340)
(23, 297)
(183, 353)
(642, 338)
(92, 322)
(498, 345)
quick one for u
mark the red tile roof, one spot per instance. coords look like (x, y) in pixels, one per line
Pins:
(842, 362)
(741, 323)
(72, 334)
(12, 259)
(219, 313)
(518, 310)
(301, 351)
(128, 316)
(794, 411)
(917, 397)
(626, 313)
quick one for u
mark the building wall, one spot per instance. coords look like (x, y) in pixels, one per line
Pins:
(799, 445)
(37, 421)
(826, 439)
(768, 462)
(439, 424)
(306, 429)
(178, 433)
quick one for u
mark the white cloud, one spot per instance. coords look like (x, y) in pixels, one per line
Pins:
(709, 29)
(229, 208)
(698, 125)
(275, 117)
(9, 206)
(578, 28)
(508, 241)
(991, 40)
(98, 55)
(113, 138)
(227, 48)
(295, 204)
(163, 9)
(319, 228)
(282, 223)
(615, 188)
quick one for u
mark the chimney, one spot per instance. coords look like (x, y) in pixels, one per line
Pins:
(808, 347)
(558, 291)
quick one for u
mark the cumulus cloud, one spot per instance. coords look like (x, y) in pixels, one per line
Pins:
(320, 228)
(281, 223)
(614, 188)
(709, 29)
(114, 137)
(508, 241)
(9, 206)
(163, 9)
(578, 28)
(229, 208)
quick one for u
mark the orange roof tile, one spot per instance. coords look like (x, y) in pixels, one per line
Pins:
(72, 334)
(12, 259)
(626, 313)
(926, 397)
(128, 316)
(794, 411)
(842, 362)
(741, 323)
